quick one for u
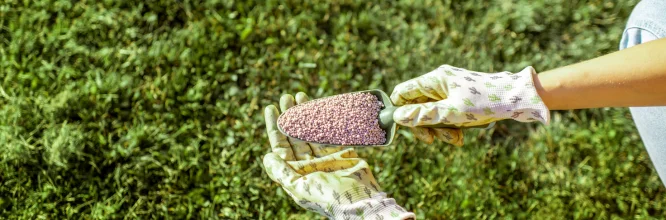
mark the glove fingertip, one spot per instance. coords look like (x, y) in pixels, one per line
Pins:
(279, 170)
(407, 115)
(458, 137)
(396, 99)
(287, 101)
(301, 97)
(423, 134)
(271, 158)
(452, 136)
(270, 110)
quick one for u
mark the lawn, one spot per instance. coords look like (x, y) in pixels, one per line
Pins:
(122, 109)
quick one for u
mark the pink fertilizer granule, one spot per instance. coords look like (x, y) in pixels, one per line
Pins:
(346, 119)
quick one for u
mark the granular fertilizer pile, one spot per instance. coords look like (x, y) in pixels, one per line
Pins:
(346, 119)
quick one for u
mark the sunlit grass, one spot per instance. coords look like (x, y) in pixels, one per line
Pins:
(122, 109)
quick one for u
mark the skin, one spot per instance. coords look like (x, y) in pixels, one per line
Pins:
(634, 77)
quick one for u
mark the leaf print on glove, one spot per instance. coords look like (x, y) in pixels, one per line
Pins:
(536, 100)
(449, 73)
(434, 79)
(468, 102)
(306, 187)
(406, 120)
(399, 208)
(374, 186)
(474, 91)
(516, 114)
(454, 85)
(369, 204)
(469, 79)
(508, 87)
(429, 89)
(474, 74)
(359, 213)
(285, 172)
(447, 136)
(367, 191)
(488, 111)
(319, 206)
(329, 209)
(336, 195)
(324, 177)
(494, 98)
(338, 179)
(470, 117)
(410, 87)
(446, 121)
(357, 174)
(489, 85)
(537, 115)
(515, 99)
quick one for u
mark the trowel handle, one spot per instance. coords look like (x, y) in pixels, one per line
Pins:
(386, 119)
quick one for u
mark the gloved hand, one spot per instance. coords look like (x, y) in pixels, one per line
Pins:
(460, 97)
(332, 181)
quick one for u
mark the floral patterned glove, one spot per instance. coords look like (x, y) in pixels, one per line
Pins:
(460, 97)
(332, 181)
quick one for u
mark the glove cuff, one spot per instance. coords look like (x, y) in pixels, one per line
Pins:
(537, 103)
(377, 207)
(524, 104)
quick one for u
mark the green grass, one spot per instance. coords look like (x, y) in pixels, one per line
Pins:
(119, 109)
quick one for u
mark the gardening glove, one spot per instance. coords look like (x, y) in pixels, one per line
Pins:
(464, 98)
(332, 181)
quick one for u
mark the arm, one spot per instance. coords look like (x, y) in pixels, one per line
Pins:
(632, 77)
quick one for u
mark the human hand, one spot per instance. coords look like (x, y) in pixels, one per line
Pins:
(464, 98)
(332, 181)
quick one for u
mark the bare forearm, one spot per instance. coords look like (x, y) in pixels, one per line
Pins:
(629, 78)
